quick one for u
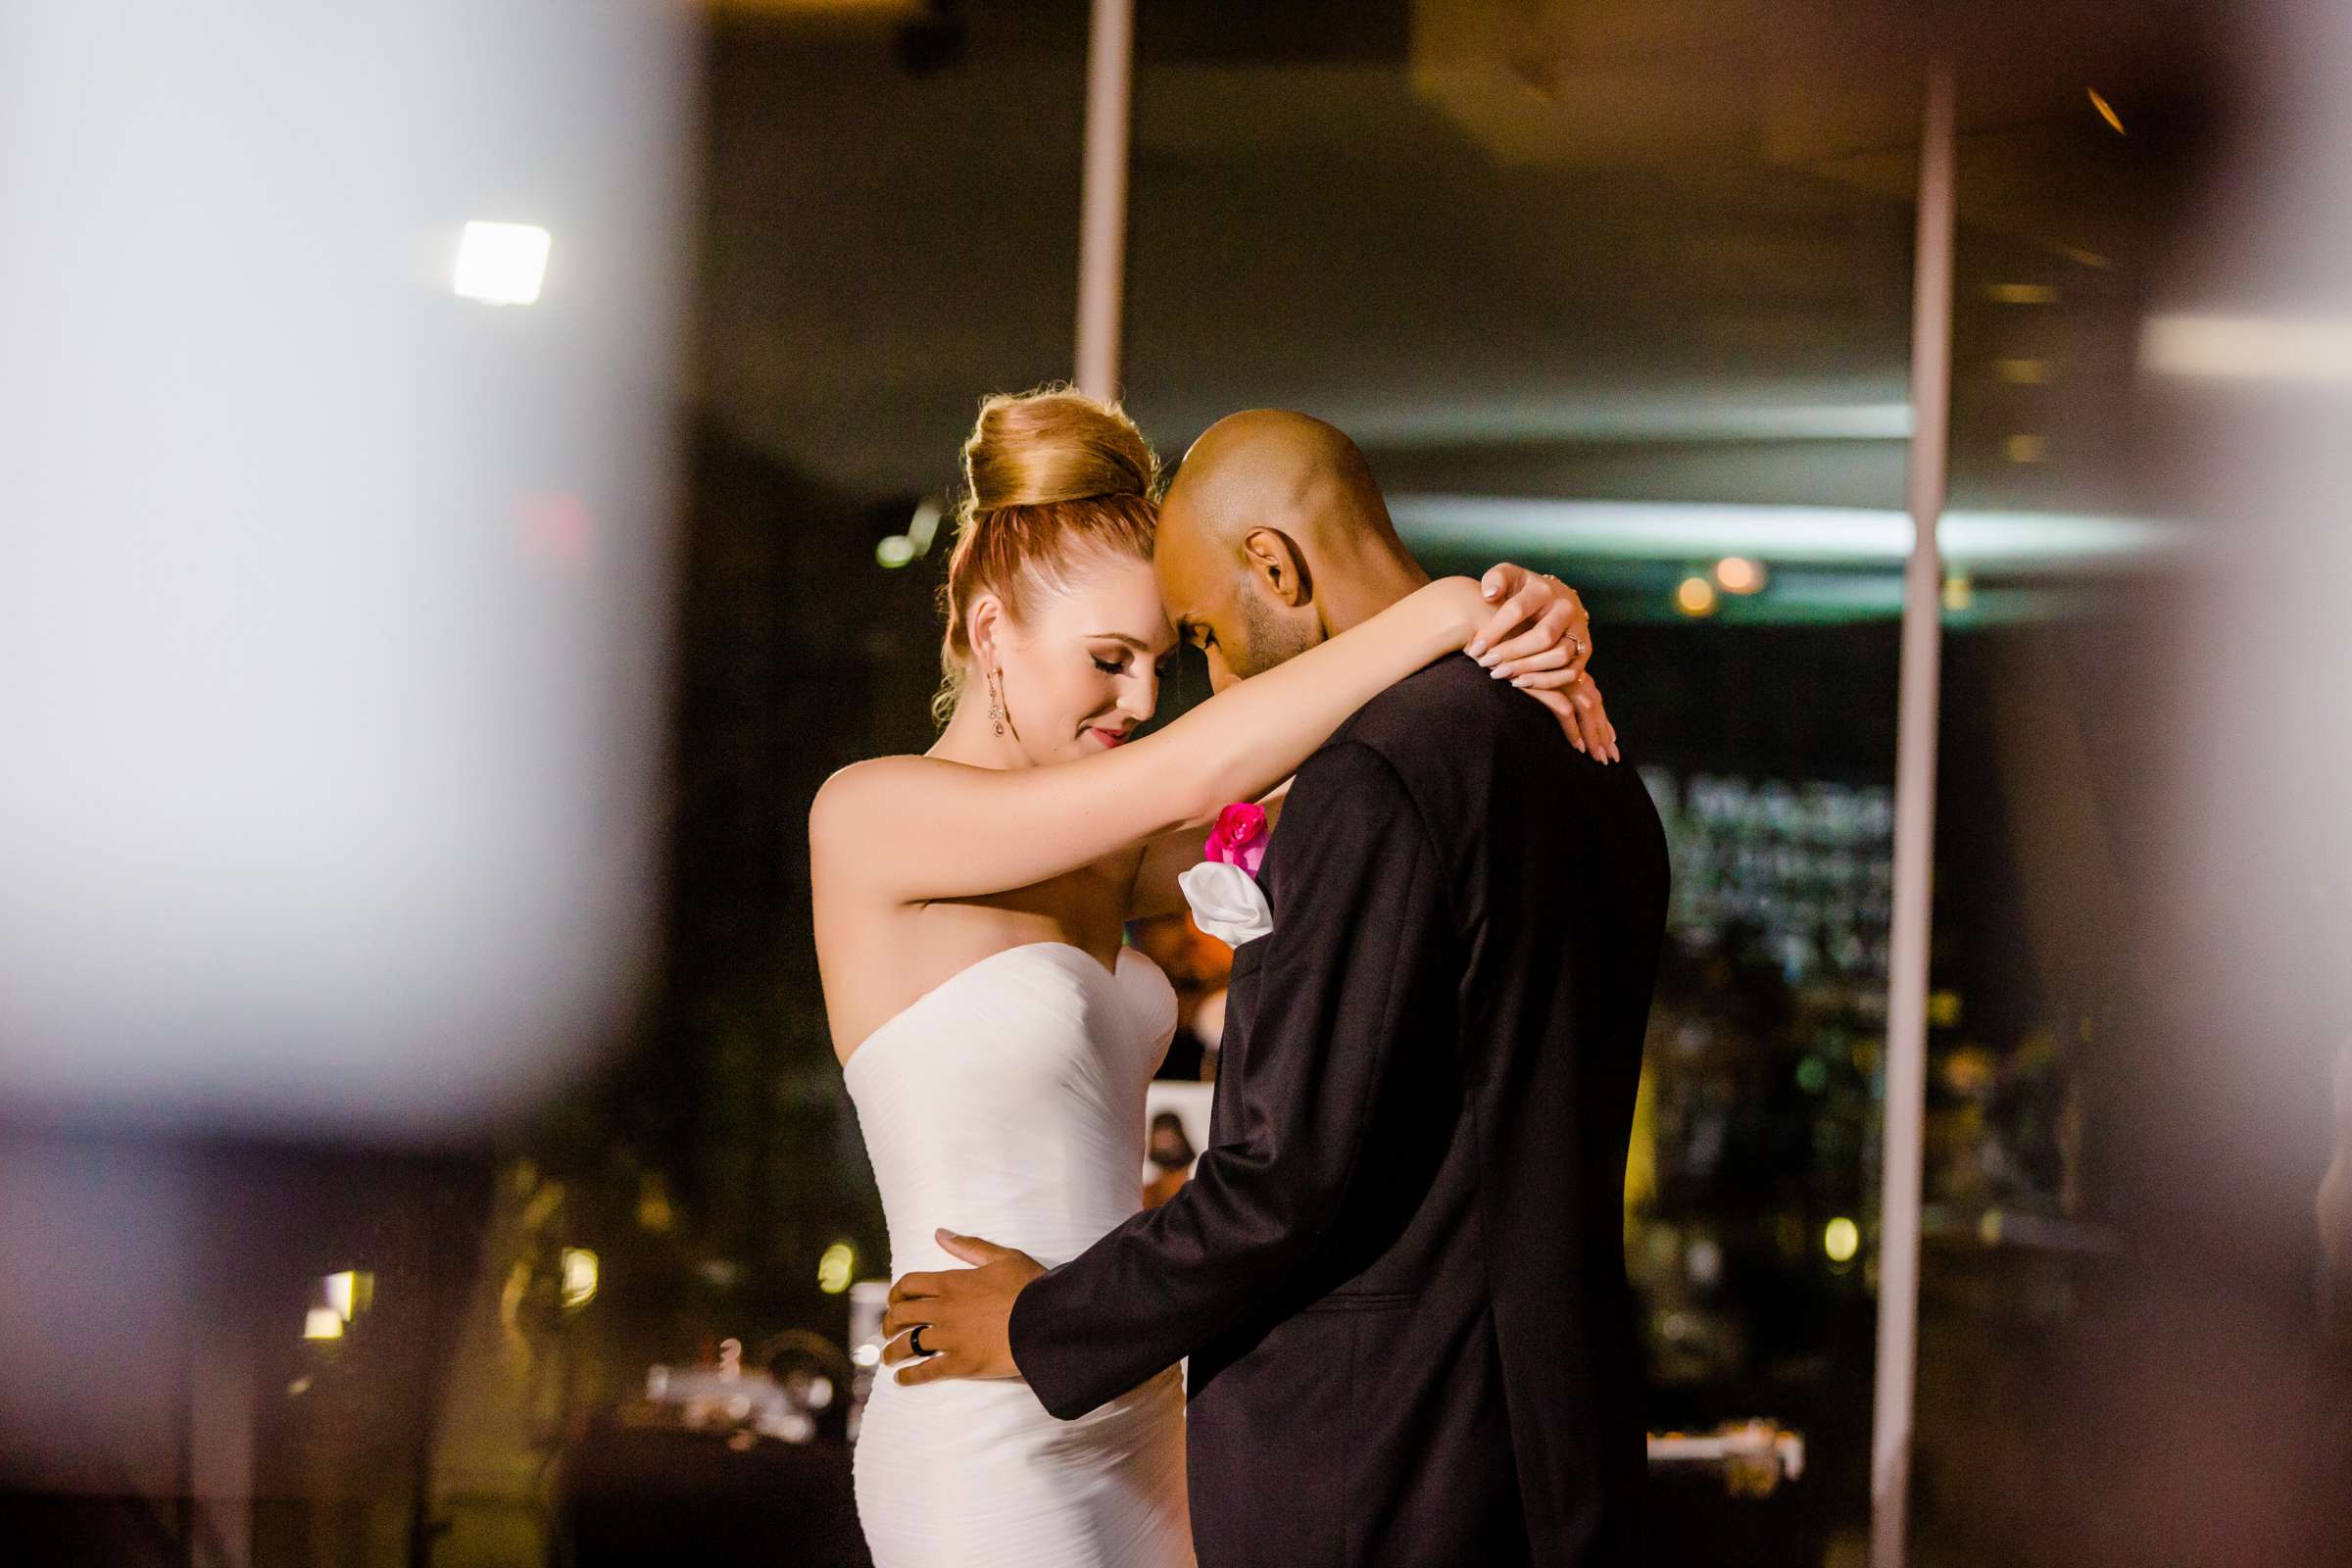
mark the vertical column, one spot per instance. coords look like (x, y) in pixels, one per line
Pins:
(1914, 838)
(221, 1423)
(1102, 207)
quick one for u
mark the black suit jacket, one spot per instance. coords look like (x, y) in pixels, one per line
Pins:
(1398, 1269)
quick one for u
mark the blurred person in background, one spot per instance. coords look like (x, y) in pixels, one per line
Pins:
(1208, 1027)
(1172, 1153)
(996, 1036)
(1399, 1271)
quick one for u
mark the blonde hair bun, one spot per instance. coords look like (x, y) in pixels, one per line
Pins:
(1048, 476)
(1034, 448)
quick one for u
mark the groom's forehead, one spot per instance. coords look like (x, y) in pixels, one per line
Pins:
(1172, 563)
(1186, 555)
(1186, 612)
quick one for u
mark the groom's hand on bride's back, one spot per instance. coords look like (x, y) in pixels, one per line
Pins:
(954, 1324)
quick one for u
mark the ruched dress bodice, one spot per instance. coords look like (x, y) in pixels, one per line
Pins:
(1008, 1102)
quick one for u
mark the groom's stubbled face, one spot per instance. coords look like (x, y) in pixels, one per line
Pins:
(1271, 536)
(1221, 604)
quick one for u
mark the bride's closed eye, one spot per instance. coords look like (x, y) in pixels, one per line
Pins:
(1117, 664)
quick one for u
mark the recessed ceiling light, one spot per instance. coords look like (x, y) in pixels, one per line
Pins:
(1788, 536)
(502, 264)
(2115, 122)
(2249, 347)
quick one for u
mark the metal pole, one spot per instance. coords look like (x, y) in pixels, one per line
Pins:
(1103, 206)
(1914, 838)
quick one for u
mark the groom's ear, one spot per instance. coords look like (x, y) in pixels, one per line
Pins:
(1276, 559)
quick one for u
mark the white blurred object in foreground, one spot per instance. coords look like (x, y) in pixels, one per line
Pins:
(331, 600)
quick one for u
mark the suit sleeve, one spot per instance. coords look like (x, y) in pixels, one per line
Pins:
(1359, 908)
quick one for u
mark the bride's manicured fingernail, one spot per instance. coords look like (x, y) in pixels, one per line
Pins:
(1478, 649)
(1499, 672)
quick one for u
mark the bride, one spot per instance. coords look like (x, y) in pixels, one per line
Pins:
(995, 1035)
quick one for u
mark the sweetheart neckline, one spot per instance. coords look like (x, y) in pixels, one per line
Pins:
(1109, 976)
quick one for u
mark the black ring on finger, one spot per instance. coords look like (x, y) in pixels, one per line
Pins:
(914, 1340)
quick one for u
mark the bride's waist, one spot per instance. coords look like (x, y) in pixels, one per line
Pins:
(1051, 1239)
(917, 1251)
(959, 1411)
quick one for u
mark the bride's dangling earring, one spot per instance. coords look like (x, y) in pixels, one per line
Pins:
(995, 703)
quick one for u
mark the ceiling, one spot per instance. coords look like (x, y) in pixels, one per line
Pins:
(1614, 250)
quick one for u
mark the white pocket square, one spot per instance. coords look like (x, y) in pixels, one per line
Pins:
(1227, 903)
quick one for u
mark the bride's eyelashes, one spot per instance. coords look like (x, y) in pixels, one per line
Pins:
(1162, 668)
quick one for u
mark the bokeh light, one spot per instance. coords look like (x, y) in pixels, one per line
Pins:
(834, 1268)
(1695, 597)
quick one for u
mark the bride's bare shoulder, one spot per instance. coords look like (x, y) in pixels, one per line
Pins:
(858, 789)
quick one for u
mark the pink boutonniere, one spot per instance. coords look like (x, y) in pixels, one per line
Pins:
(1239, 838)
(1223, 891)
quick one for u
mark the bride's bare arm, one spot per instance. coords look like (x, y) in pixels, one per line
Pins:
(903, 829)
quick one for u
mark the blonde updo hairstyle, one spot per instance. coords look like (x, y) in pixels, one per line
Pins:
(1051, 478)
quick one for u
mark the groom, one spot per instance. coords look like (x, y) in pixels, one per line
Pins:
(1399, 1270)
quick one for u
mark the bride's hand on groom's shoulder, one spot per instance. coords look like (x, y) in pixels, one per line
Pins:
(955, 1323)
(1540, 639)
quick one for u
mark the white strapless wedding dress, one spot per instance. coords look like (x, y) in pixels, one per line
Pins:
(1008, 1103)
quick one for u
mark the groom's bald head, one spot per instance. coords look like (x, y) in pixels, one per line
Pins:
(1273, 536)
